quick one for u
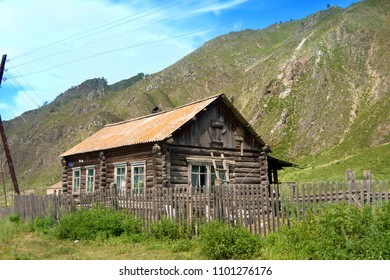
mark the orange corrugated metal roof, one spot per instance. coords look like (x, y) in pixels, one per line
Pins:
(150, 128)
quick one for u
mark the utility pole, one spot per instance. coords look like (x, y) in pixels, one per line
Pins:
(5, 190)
(2, 67)
(4, 138)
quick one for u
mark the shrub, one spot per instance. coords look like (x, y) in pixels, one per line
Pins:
(339, 232)
(220, 241)
(96, 222)
(10, 227)
(43, 225)
(168, 229)
(15, 218)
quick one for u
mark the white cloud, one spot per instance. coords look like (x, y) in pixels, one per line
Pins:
(4, 105)
(216, 8)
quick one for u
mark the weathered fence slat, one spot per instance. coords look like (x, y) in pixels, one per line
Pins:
(261, 209)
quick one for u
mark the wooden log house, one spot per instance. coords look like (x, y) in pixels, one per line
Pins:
(196, 145)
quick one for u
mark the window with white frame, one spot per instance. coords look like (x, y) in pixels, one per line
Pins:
(90, 178)
(76, 180)
(120, 176)
(138, 171)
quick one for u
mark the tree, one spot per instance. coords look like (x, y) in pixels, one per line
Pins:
(141, 75)
(328, 6)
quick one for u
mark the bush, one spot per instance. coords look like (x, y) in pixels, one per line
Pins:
(10, 227)
(168, 229)
(339, 232)
(220, 241)
(44, 225)
(15, 218)
(96, 222)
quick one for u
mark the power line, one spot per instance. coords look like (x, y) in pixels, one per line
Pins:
(15, 83)
(114, 50)
(158, 21)
(80, 35)
(28, 84)
(131, 30)
(90, 34)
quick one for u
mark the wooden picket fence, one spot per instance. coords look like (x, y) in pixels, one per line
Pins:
(32, 206)
(260, 209)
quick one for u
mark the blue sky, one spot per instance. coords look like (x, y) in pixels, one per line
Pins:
(53, 45)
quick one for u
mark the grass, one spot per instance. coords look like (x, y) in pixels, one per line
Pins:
(338, 232)
(327, 166)
(32, 246)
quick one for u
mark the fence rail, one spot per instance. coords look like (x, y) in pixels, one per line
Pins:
(260, 209)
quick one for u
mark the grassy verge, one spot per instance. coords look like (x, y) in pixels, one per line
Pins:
(333, 164)
(339, 232)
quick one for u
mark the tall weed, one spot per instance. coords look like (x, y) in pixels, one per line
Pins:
(220, 241)
(169, 229)
(97, 222)
(10, 227)
(339, 232)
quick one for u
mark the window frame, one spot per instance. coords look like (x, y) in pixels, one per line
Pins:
(134, 165)
(211, 177)
(74, 170)
(87, 168)
(124, 175)
(207, 177)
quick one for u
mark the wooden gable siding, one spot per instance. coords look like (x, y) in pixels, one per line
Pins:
(214, 127)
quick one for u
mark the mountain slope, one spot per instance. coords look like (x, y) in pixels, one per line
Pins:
(317, 90)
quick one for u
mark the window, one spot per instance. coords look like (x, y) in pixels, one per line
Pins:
(90, 178)
(199, 176)
(203, 174)
(120, 176)
(221, 173)
(138, 176)
(76, 180)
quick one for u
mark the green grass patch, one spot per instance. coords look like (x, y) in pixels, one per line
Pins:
(340, 232)
(327, 166)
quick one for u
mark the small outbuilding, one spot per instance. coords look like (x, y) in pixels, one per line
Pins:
(194, 145)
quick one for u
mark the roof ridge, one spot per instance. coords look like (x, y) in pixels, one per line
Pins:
(164, 112)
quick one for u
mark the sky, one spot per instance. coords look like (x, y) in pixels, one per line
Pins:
(54, 45)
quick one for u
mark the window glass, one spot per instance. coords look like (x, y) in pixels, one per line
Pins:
(120, 181)
(138, 173)
(199, 176)
(221, 173)
(203, 175)
(76, 181)
(90, 179)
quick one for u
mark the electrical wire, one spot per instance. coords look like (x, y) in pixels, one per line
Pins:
(14, 83)
(80, 35)
(28, 84)
(115, 35)
(115, 50)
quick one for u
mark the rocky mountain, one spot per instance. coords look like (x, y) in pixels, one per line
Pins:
(317, 90)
